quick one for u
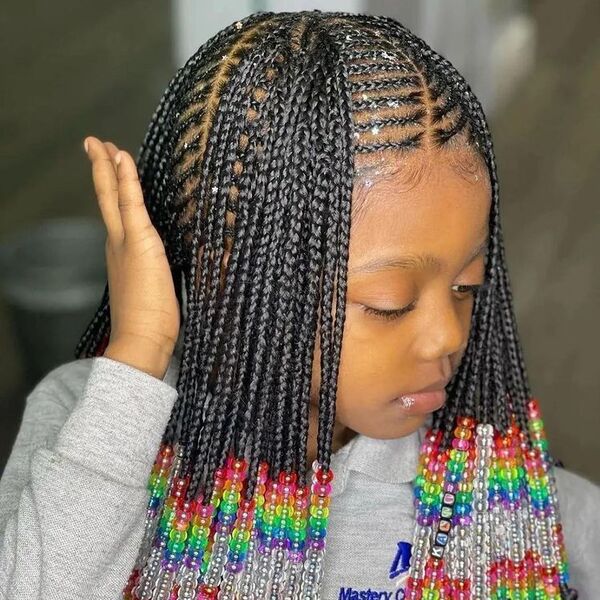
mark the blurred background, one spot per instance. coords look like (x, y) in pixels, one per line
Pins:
(71, 69)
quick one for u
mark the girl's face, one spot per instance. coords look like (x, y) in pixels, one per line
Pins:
(417, 235)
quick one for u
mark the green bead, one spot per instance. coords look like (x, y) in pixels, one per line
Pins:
(458, 455)
(198, 543)
(231, 496)
(299, 523)
(536, 425)
(463, 497)
(455, 467)
(428, 498)
(228, 508)
(429, 488)
(176, 546)
(177, 536)
(238, 546)
(316, 523)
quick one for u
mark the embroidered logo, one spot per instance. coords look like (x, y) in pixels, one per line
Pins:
(401, 561)
(398, 571)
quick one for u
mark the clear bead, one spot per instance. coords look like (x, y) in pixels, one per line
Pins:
(162, 590)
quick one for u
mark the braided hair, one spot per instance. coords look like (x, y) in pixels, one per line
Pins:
(247, 169)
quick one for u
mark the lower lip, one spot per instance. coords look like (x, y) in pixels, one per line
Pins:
(423, 402)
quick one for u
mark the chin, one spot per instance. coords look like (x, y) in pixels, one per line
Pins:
(397, 429)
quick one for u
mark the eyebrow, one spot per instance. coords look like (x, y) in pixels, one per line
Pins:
(410, 261)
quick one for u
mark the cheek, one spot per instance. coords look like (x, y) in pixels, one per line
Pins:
(374, 354)
(465, 315)
(374, 367)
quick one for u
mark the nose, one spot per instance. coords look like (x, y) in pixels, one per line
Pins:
(444, 335)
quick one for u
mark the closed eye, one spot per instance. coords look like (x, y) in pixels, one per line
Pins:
(392, 314)
(389, 315)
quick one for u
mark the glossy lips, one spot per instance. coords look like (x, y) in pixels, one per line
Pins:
(421, 402)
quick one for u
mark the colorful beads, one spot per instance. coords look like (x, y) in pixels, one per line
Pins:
(158, 481)
(200, 548)
(487, 524)
(319, 513)
(502, 486)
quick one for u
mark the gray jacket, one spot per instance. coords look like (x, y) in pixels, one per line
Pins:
(73, 494)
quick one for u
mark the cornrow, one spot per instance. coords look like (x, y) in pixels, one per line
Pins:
(248, 169)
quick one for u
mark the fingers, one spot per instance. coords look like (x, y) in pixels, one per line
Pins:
(112, 150)
(133, 211)
(118, 190)
(105, 186)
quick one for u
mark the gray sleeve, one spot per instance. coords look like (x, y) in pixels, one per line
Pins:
(73, 494)
(579, 501)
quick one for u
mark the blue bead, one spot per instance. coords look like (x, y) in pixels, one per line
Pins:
(227, 519)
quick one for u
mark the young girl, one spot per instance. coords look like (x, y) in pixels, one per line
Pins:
(344, 412)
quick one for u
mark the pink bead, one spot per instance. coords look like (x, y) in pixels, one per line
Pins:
(437, 467)
(460, 444)
(428, 448)
(321, 490)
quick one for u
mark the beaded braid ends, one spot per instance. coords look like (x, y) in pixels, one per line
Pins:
(269, 546)
(488, 525)
(248, 169)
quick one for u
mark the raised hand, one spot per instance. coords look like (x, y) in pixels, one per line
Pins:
(144, 311)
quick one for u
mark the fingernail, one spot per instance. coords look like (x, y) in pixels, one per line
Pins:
(85, 145)
(118, 158)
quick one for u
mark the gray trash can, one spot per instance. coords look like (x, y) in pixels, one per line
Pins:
(52, 277)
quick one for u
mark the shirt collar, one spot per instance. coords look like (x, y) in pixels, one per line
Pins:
(393, 461)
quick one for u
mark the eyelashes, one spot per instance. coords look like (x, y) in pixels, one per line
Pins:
(391, 315)
(388, 315)
(471, 289)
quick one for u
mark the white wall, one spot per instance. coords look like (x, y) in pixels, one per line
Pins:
(195, 21)
(492, 45)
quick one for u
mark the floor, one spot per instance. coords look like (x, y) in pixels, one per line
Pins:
(99, 68)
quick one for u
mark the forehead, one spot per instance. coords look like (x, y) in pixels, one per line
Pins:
(434, 202)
